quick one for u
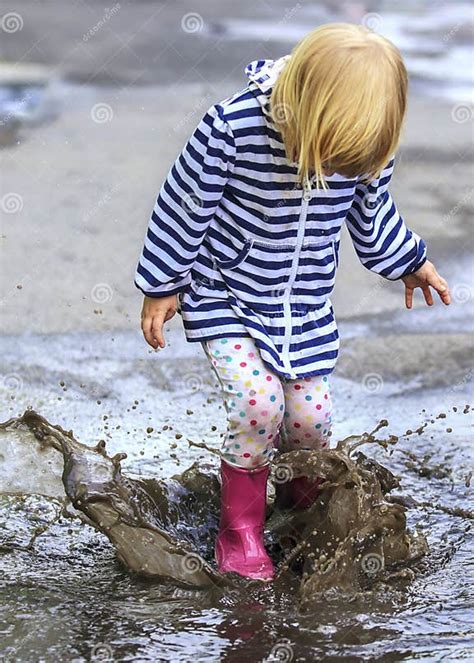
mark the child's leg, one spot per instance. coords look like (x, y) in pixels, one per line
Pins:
(253, 398)
(307, 420)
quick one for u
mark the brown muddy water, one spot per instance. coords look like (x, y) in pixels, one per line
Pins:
(106, 557)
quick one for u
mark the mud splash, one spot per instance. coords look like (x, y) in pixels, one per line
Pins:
(142, 518)
(353, 537)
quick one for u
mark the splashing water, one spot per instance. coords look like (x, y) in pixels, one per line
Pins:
(354, 535)
(353, 543)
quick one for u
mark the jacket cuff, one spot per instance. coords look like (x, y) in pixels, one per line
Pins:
(412, 270)
(410, 266)
(157, 295)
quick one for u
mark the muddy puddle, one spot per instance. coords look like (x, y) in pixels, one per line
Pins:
(107, 557)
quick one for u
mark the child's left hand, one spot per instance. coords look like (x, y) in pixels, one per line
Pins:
(423, 278)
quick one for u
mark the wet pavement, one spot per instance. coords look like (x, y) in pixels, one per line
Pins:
(106, 387)
(80, 171)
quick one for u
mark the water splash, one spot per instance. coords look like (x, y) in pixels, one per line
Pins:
(354, 536)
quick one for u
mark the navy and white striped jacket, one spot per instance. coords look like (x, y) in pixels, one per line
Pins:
(249, 251)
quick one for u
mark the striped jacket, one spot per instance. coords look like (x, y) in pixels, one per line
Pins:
(250, 251)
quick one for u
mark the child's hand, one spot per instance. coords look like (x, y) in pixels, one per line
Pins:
(155, 312)
(423, 278)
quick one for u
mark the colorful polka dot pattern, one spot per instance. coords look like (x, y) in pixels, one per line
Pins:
(262, 406)
(308, 416)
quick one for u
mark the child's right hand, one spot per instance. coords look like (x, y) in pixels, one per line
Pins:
(155, 312)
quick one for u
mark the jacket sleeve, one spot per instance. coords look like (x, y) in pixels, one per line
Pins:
(185, 207)
(381, 239)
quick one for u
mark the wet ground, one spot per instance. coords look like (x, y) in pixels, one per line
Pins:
(79, 180)
(69, 597)
(147, 43)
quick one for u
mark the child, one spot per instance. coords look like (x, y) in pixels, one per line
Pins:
(244, 238)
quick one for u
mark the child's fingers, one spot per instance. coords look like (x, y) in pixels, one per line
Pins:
(432, 279)
(446, 297)
(437, 282)
(441, 287)
(428, 295)
(146, 329)
(444, 282)
(148, 333)
(157, 329)
(169, 314)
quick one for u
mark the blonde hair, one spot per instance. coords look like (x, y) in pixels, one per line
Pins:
(340, 101)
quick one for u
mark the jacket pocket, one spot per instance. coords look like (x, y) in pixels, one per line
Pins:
(237, 259)
(316, 273)
(259, 274)
(214, 284)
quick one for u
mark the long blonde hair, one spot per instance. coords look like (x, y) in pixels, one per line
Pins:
(340, 101)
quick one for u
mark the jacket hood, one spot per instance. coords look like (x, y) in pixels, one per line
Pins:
(262, 75)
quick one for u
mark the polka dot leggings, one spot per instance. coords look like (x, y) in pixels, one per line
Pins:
(264, 410)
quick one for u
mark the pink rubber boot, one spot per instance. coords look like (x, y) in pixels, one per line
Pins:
(239, 544)
(299, 493)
